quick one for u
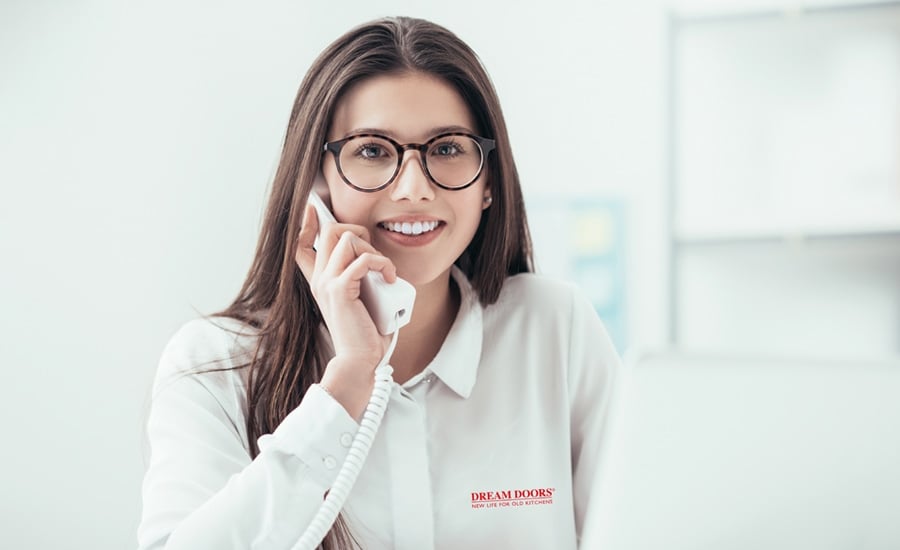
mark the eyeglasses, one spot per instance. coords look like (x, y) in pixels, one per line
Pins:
(371, 162)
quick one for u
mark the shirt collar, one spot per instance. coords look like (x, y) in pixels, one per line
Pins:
(456, 364)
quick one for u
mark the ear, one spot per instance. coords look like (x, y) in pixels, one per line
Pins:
(488, 199)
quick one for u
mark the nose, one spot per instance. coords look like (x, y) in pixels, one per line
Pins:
(411, 183)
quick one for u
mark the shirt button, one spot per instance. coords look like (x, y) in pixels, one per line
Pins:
(346, 440)
(329, 462)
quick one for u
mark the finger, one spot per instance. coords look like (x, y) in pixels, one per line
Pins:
(361, 247)
(329, 236)
(305, 255)
(349, 247)
(363, 264)
(331, 233)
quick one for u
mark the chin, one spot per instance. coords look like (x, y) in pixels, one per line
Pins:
(419, 276)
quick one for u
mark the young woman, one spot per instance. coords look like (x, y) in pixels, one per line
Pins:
(501, 378)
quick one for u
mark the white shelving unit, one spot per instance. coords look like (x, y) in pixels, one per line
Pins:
(785, 174)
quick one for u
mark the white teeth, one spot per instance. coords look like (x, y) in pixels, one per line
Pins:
(407, 228)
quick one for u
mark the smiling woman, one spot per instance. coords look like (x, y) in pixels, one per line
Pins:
(501, 378)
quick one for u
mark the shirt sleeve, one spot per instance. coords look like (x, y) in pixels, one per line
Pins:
(594, 370)
(202, 490)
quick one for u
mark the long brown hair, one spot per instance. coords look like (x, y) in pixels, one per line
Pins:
(275, 298)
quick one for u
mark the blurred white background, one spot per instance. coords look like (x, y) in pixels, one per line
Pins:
(137, 142)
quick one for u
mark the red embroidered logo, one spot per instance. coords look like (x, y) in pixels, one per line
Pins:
(512, 498)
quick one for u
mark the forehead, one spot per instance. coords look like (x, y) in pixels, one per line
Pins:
(407, 107)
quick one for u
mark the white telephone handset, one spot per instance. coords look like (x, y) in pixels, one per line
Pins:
(390, 306)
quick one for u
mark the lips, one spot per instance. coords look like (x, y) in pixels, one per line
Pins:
(411, 228)
(410, 231)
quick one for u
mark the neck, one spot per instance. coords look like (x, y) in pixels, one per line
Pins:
(433, 313)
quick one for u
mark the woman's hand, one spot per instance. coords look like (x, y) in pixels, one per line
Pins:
(334, 272)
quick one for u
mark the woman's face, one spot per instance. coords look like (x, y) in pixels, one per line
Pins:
(421, 227)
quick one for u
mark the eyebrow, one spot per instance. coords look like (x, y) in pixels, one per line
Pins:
(432, 132)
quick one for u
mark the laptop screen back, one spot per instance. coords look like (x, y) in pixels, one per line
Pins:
(718, 453)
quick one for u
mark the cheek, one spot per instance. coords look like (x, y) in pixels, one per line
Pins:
(343, 205)
(348, 208)
(471, 212)
(347, 204)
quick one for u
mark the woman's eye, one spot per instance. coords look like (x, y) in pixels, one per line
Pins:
(371, 151)
(446, 150)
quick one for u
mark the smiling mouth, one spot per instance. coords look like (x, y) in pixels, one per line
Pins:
(410, 228)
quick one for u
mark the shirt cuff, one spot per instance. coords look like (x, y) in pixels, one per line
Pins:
(319, 432)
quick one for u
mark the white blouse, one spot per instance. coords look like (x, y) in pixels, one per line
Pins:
(494, 445)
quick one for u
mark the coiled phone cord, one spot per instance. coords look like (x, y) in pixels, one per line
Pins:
(356, 456)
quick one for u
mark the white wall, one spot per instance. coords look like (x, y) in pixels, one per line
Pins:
(787, 218)
(136, 144)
